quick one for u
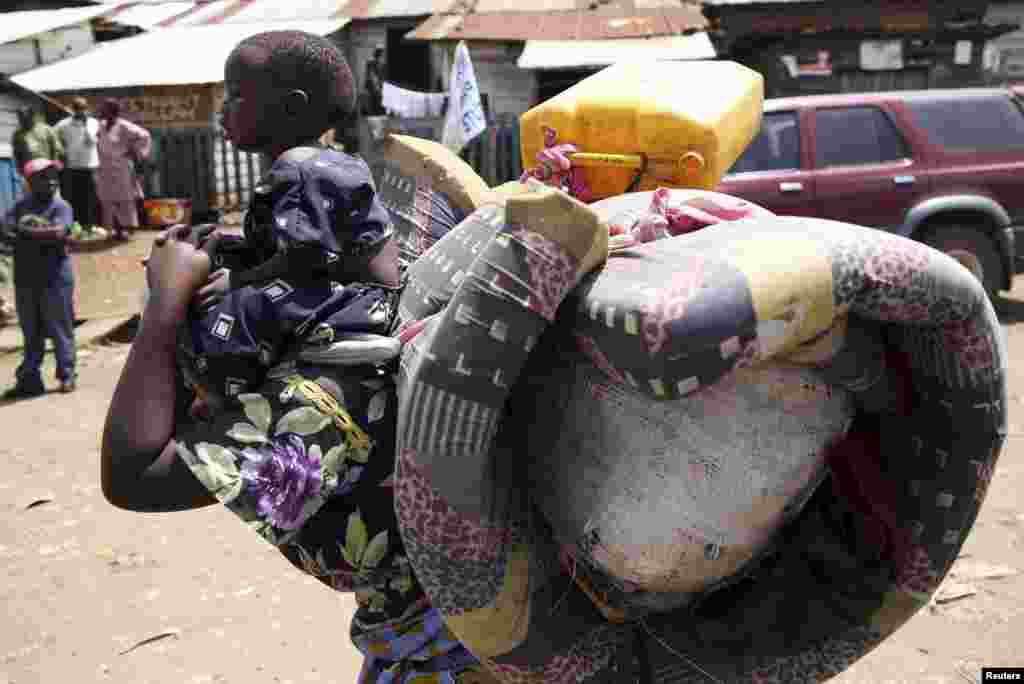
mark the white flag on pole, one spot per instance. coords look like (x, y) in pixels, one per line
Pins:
(465, 118)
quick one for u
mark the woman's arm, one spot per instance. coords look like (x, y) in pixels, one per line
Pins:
(140, 469)
(141, 142)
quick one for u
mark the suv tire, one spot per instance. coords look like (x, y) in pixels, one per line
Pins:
(973, 249)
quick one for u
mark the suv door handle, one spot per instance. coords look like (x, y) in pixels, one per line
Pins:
(791, 187)
(904, 180)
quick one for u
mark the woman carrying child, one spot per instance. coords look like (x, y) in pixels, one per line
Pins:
(300, 452)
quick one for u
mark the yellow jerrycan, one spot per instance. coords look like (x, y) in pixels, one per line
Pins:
(649, 124)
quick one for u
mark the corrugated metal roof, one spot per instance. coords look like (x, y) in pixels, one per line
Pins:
(494, 6)
(17, 25)
(201, 13)
(146, 15)
(205, 10)
(171, 56)
(236, 11)
(386, 9)
(278, 10)
(566, 25)
(557, 54)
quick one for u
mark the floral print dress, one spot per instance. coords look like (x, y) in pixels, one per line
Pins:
(307, 462)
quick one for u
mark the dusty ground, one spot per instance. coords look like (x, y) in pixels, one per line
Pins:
(84, 582)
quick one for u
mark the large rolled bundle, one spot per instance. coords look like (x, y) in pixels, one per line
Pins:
(619, 520)
(426, 188)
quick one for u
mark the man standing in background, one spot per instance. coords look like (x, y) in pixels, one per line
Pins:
(34, 139)
(122, 145)
(78, 133)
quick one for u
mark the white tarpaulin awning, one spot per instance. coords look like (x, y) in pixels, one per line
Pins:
(18, 25)
(574, 54)
(171, 56)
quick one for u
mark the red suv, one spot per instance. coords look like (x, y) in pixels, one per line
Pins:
(942, 166)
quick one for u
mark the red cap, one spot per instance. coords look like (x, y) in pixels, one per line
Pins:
(34, 166)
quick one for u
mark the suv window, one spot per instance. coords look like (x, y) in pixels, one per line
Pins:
(852, 136)
(776, 147)
(986, 123)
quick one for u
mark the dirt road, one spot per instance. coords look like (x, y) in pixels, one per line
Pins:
(84, 583)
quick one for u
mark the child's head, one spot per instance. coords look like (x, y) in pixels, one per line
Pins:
(43, 176)
(283, 89)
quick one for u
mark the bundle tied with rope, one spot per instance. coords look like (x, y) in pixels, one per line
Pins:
(722, 476)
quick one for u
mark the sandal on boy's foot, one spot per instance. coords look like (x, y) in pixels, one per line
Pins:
(23, 392)
(68, 386)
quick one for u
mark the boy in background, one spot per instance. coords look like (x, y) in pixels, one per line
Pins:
(43, 279)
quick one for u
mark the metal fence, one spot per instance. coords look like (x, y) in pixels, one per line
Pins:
(201, 165)
(494, 154)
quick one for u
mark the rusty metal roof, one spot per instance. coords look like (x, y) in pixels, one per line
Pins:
(205, 12)
(145, 15)
(492, 6)
(386, 9)
(578, 24)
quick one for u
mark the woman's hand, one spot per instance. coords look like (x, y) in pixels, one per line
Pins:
(197, 235)
(177, 267)
(217, 285)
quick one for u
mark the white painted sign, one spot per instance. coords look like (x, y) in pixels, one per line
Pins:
(881, 55)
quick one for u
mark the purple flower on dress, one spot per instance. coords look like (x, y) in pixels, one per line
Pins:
(282, 478)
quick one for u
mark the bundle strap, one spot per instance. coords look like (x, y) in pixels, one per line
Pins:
(326, 403)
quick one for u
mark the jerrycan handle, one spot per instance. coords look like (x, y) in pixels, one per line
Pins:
(686, 166)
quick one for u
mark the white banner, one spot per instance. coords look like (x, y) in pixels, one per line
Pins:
(465, 119)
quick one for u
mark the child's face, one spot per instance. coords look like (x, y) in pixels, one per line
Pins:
(44, 183)
(248, 114)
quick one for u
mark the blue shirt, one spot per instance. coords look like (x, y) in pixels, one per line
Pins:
(36, 261)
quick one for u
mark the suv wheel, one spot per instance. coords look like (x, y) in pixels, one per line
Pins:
(973, 249)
